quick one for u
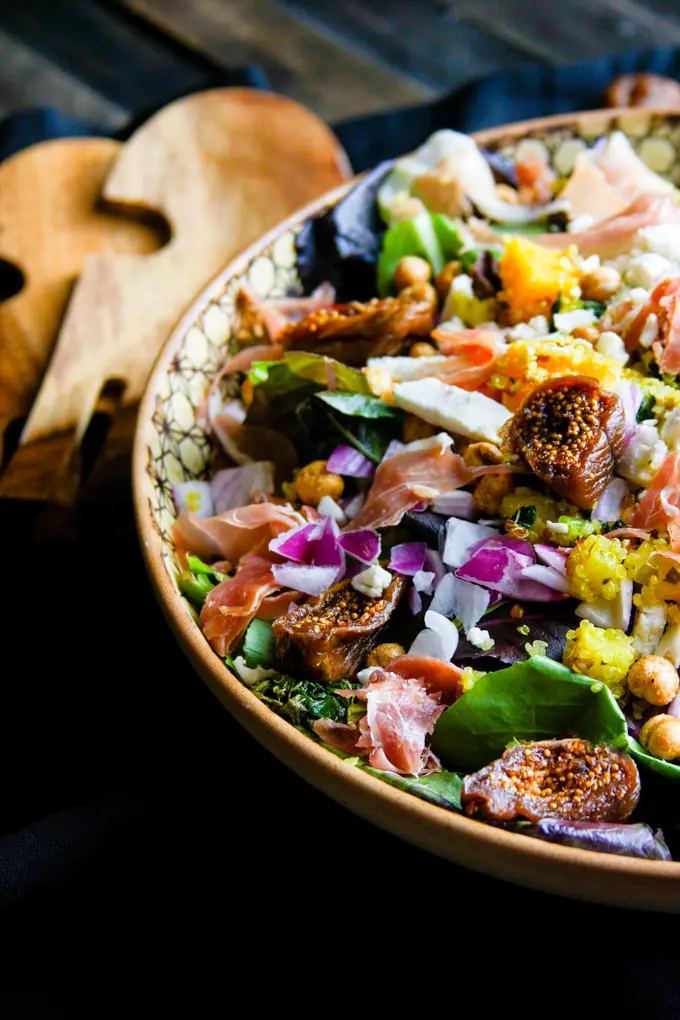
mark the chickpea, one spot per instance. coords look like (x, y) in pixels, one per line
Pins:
(661, 736)
(407, 209)
(383, 655)
(415, 428)
(490, 490)
(313, 482)
(444, 279)
(506, 193)
(588, 333)
(654, 679)
(411, 269)
(423, 350)
(482, 454)
(420, 292)
(600, 285)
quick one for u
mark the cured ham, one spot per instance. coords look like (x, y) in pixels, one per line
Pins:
(232, 534)
(423, 471)
(618, 234)
(471, 356)
(664, 303)
(660, 503)
(589, 193)
(231, 605)
(400, 715)
(436, 676)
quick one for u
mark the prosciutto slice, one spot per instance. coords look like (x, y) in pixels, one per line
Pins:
(235, 532)
(270, 318)
(231, 605)
(471, 355)
(618, 234)
(664, 303)
(660, 503)
(424, 470)
(400, 715)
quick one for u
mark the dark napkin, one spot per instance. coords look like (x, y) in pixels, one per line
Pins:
(136, 814)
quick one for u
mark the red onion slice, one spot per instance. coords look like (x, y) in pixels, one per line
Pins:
(610, 504)
(311, 580)
(408, 558)
(362, 545)
(345, 460)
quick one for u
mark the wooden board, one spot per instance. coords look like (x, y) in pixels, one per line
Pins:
(312, 65)
(221, 167)
(50, 222)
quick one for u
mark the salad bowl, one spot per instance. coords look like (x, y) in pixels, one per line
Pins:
(173, 447)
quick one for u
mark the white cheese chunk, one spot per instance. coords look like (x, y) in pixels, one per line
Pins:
(372, 581)
(329, 508)
(645, 270)
(480, 639)
(662, 239)
(404, 369)
(565, 322)
(643, 456)
(466, 413)
(612, 346)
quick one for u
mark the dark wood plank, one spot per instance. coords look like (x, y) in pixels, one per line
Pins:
(574, 31)
(116, 56)
(29, 80)
(308, 63)
(421, 39)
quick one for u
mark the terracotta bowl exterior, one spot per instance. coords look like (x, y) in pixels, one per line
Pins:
(171, 447)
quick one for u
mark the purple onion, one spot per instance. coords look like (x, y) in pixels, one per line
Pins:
(630, 395)
(353, 506)
(610, 504)
(362, 545)
(408, 558)
(234, 487)
(456, 504)
(438, 640)
(345, 460)
(312, 580)
(463, 600)
(195, 498)
(415, 601)
(498, 563)
(434, 563)
(548, 576)
(461, 537)
(552, 556)
(294, 544)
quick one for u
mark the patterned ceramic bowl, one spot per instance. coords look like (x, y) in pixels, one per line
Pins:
(171, 447)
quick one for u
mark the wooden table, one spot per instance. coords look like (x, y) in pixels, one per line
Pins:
(108, 60)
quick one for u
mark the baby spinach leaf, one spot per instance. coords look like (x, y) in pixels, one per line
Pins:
(369, 436)
(259, 646)
(441, 788)
(359, 405)
(535, 700)
(663, 768)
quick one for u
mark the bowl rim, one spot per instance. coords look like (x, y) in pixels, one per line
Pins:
(576, 873)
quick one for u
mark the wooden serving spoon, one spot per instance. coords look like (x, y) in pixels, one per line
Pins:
(222, 167)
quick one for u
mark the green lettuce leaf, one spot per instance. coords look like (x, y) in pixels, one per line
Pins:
(259, 646)
(299, 368)
(359, 405)
(535, 700)
(198, 580)
(433, 237)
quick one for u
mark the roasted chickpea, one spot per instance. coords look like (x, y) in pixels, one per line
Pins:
(443, 279)
(419, 292)
(415, 428)
(654, 679)
(383, 655)
(588, 333)
(481, 454)
(407, 209)
(411, 269)
(490, 490)
(600, 285)
(661, 736)
(314, 481)
(423, 350)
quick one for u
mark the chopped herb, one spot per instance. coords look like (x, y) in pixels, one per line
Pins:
(594, 306)
(524, 516)
(612, 526)
(646, 408)
(302, 701)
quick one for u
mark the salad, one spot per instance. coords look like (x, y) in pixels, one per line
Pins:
(442, 532)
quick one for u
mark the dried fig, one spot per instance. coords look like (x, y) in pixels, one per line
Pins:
(570, 432)
(651, 90)
(555, 779)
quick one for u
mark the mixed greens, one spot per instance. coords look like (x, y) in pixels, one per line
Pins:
(448, 544)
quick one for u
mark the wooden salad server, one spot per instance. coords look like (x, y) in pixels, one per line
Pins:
(221, 167)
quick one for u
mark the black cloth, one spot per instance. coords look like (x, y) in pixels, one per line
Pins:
(136, 816)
